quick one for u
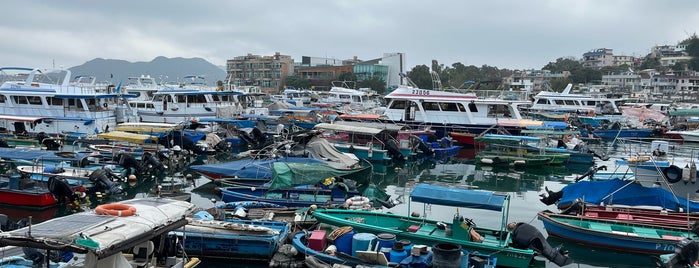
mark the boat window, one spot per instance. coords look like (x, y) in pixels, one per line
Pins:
(542, 101)
(158, 97)
(461, 107)
(397, 104)
(54, 101)
(150, 105)
(36, 100)
(559, 102)
(2, 98)
(20, 99)
(181, 99)
(449, 106)
(472, 107)
(570, 102)
(430, 106)
(196, 99)
(344, 97)
(356, 99)
(590, 103)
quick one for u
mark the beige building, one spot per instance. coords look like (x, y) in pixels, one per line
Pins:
(267, 72)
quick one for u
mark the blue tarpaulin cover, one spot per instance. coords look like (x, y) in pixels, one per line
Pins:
(622, 192)
(455, 197)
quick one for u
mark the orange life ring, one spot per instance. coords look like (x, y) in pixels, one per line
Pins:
(120, 210)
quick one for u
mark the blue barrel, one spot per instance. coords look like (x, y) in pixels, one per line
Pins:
(397, 253)
(361, 241)
(407, 245)
(446, 255)
(344, 242)
(384, 243)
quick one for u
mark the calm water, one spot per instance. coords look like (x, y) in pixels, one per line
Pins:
(524, 186)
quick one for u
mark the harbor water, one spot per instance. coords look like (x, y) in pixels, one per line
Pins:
(524, 186)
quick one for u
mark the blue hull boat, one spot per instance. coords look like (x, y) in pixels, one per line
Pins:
(250, 240)
(294, 197)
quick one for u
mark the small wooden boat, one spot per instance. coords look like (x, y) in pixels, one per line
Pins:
(294, 197)
(244, 239)
(655, 217)
(626, 236)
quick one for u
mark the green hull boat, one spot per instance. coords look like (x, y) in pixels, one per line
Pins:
(495, 242)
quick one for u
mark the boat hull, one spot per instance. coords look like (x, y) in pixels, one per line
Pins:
(617, 236)
(246, 245)
(285, 197)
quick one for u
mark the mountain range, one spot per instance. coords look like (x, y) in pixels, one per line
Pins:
(161, 68)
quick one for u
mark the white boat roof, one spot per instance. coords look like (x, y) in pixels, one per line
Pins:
(410, 93)
(346, 128)
(103, 235)
(377, 125)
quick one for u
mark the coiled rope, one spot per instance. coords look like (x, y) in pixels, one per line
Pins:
(339, 232)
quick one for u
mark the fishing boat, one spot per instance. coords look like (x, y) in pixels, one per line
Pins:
(511, 150)
(489, 241)
(27, 193)
(65, 108)
(548, 101)
(617, 189)
(660, 165)
(365, 142)
(627, 236)
(624, 214)
(287, 197)
(447, 112)
(253, 240)
(99, 238)
(247, 168)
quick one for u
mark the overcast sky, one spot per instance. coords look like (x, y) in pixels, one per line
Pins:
(502, 33)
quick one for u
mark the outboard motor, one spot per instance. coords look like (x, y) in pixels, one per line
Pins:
(525, 235)
(415, 140)
(393, 150)
(104, 181)
(153, 162)
(60, 189)
(686, 254)
(129, 162)
(259, 137)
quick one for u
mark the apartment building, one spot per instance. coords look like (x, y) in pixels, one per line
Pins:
(267, 72)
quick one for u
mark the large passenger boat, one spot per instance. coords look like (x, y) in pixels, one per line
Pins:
(59, 106)
(447, 112)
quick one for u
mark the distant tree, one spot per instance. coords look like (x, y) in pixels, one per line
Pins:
(459, 74)
(375, 83)
(420, 75)
(559, 84)
(563, 64)
(692, 50)
(347, 76)
(615, 69)
(298, 82)
(651, 63)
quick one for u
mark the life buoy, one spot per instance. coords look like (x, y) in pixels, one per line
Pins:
(672, 174)
(105, 105)
(120, 210)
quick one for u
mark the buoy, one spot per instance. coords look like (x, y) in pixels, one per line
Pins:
(486, 160)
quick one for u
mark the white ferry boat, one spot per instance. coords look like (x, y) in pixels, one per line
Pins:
(65, 108)
(447, 112)
(547, 101)
(341, 94)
